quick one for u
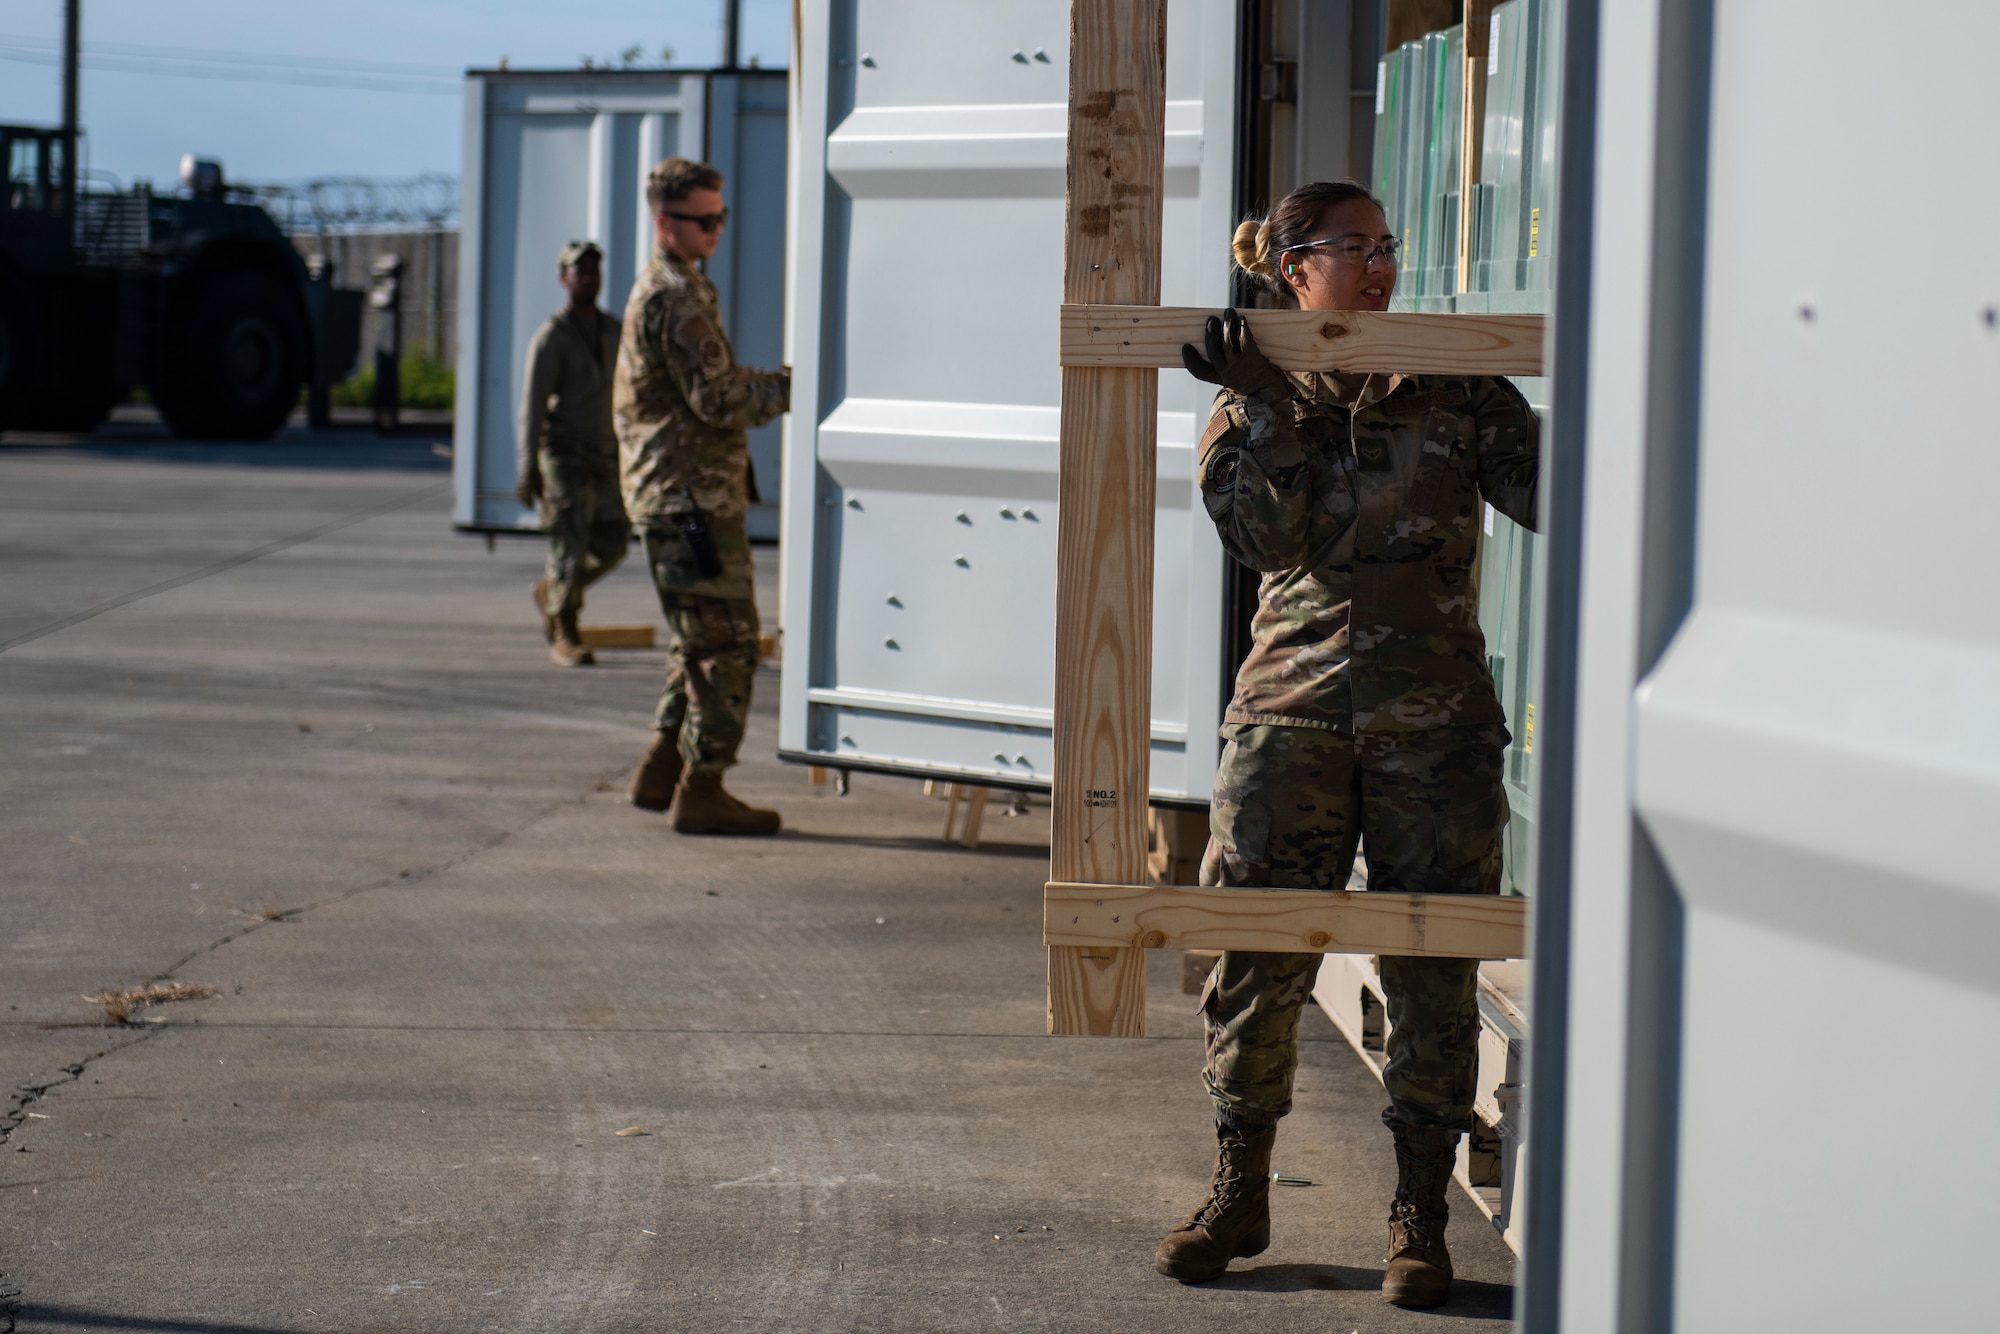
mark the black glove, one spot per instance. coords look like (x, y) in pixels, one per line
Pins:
(1235, 362)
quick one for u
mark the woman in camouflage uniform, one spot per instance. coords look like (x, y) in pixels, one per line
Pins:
(1364, 714)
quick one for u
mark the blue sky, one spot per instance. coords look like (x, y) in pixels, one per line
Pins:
(164, 79)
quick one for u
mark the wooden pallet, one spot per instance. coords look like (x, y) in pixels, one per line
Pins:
(974, 798)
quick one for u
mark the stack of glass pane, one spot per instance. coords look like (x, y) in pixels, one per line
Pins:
(1419, 92)
(1437, 269)
(1502, 240)
(1514, 236)
(1420, 88)
(1418, 95)
(1397, 94)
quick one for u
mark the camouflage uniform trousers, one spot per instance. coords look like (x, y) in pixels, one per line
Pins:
(584, 517)
(1290, 805)
(711, 662)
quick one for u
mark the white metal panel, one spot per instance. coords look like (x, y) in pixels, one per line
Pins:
(1822, 1161)
(471, 259)
(1819, 752)
(805, 279)
(550, 158)
(927, 259)
(747, 142)
(538, 171)
(1816, 756)
(1594, 1195)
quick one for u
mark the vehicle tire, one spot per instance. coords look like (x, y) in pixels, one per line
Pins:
(18, 345)
(237, 360)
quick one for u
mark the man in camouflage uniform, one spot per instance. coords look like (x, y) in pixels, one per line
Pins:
(1364, 715)
(569, 453)
(683, 406)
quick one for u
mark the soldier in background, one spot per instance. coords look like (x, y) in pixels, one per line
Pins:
(683, 406)
(569, 452)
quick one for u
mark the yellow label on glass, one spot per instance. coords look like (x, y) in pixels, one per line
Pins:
(1534, 231)
(1528, 743)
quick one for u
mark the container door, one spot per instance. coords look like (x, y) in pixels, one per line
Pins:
(920, 526)
(747, 143)
(549, 159)
(1783, 1093)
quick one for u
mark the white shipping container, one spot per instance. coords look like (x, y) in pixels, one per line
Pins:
(552, 156)
(1772, 1103)
(920, 477)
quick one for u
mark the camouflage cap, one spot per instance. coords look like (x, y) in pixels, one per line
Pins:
(573, 253)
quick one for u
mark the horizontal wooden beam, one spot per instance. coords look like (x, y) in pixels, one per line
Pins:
(1308, 921)
(1313, 340)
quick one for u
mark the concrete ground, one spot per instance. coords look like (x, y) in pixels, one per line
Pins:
(274, 727)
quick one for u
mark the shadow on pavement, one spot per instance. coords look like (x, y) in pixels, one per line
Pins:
(356, 451)
(60, 1316)
(1469, 1300)
(918, 844)
(1294, 1278)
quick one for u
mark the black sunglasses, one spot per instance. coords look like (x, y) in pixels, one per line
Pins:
(710, 223)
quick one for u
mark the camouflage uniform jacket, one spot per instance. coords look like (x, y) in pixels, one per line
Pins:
(682, 406)
(1366, 526)
(566, 405)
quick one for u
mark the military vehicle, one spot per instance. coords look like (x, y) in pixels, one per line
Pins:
(197, 297)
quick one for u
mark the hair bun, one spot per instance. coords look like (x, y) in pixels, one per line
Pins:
(1252, 247)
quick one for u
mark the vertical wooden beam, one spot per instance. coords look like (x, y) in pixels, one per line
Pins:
(1105, 486)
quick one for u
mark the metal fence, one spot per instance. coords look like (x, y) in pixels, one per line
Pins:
(430, 281)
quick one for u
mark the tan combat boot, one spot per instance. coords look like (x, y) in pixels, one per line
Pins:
(1235, 1221)
(566, 648)
(1419, 1267)
(541, 591)
(657, 776)
(702, 807)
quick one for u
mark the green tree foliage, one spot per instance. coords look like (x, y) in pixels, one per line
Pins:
(423, 383)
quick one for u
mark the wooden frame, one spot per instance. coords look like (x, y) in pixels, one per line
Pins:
(1098, 917)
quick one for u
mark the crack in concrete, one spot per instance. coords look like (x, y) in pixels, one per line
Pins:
(413, 876)
(26, 1095)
